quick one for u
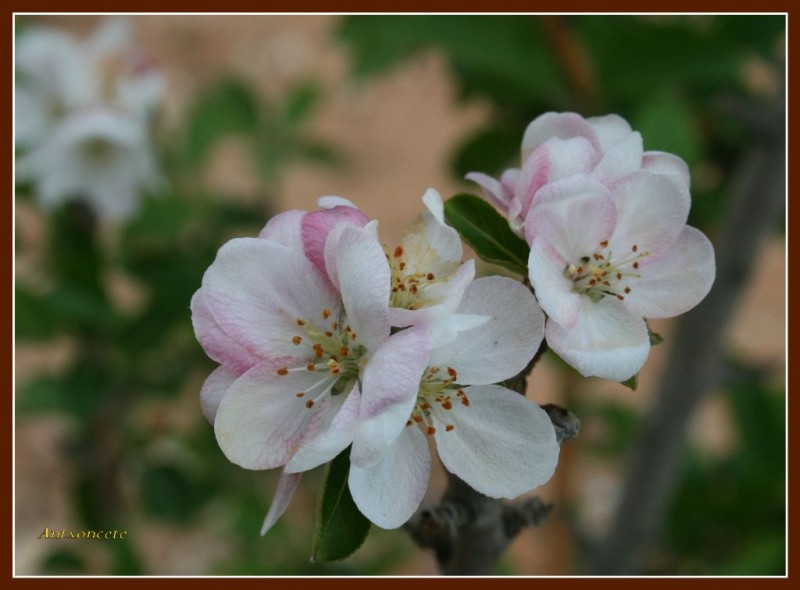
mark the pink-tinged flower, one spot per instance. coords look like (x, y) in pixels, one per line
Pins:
(494, 439)
(558, 145)
(603, 258)
(428, 276)
(292, 348)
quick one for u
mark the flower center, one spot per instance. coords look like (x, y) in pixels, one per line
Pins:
(335, 354)
(438, 392)
(600, 274)
(408, 289)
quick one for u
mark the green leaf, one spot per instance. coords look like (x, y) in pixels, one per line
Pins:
(487, 232)
(667, 123)
(302, 102)
(341, 528)
(32, 317)
(631, 383)
(655, 337)
(227, 108)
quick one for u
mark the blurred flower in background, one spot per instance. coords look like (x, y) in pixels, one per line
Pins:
(83, 117)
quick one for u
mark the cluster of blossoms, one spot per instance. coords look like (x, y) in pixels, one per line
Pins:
(327, 339)
(82, 114)
(609, 244)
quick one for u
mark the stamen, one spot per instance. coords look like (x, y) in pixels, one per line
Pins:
(449, 427)
(297, 340)
(309, 403)
(402, 266)
(300, 322)
(311, 366)
(398, 252)
(431, 431)
(634, 247)
(318, 350)
(430, 276)
(344, 351)
(326, 313)
(301, 394)
(604, 244)
(283, 371)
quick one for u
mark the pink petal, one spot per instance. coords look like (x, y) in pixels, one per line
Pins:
(501, 347)
(256, 290)
(494, 191)
(217, 344)
(607, 341)
(390, 491)
(287, 486)
(317, 225)
(561, 125)
(214, 389)
(503, 445)
(677, 280)
(574, 215)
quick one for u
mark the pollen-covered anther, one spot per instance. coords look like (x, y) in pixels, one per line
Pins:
(301, 394)
(335, 326)
(430, 276)
(410, 423)
(334, 367)
(447, 405)
(398, 252)
(449, 427)
(425, 406)
(311, 366)
(344, 351)
(300, 322)
(402, 266)
(604, 244)
(326, 313)
(309, 403)
(318, 350)
(452, 372)
(430, 431)
(634, 248)
(329, 334)
(417, 418)
(627, 289)
(283, 371)
(297, 340)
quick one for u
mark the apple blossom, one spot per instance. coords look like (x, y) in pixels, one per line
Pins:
(496, 440)
(557, 145)
(603, 258)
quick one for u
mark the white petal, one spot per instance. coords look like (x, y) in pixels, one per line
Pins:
(331, 442)
(433, 201)
(504, 345)
(651, 212)
(607, 341)
(553, 289)
(574, 215)
(677, 280)
(256, 290)
(621, 159)
(665, 163)
(503, 445)
(446, 328)
(364, 280)
(492, 189)
(561, 125)
(287, 485)
(214, 389)
(610, 129)
(390, 491)
(330, 201)
(428, 244)
(261, 422)
(390, 385)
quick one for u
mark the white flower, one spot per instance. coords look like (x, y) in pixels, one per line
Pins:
(100, 156)
(82, 116)
(558, 145)
(496, 440)
(602, 259)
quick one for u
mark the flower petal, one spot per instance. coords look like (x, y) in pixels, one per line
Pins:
(621, 158)
(561, 125)
(390, 385)
(214, 389)
(607, 341)
(287, 486)
(216, 343)
(428, 244)
(651, 212)
(318, 224)
(666, 163)
(256, 289)
(332, 201)
(332, 441)
(261, 422)
(285, 228)
(503, 445)
(492, 189)
(610, 129)
(390, 491)
(677, 280)
(574, 215)
(553, 289)
(364, 280)
(504, 345)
